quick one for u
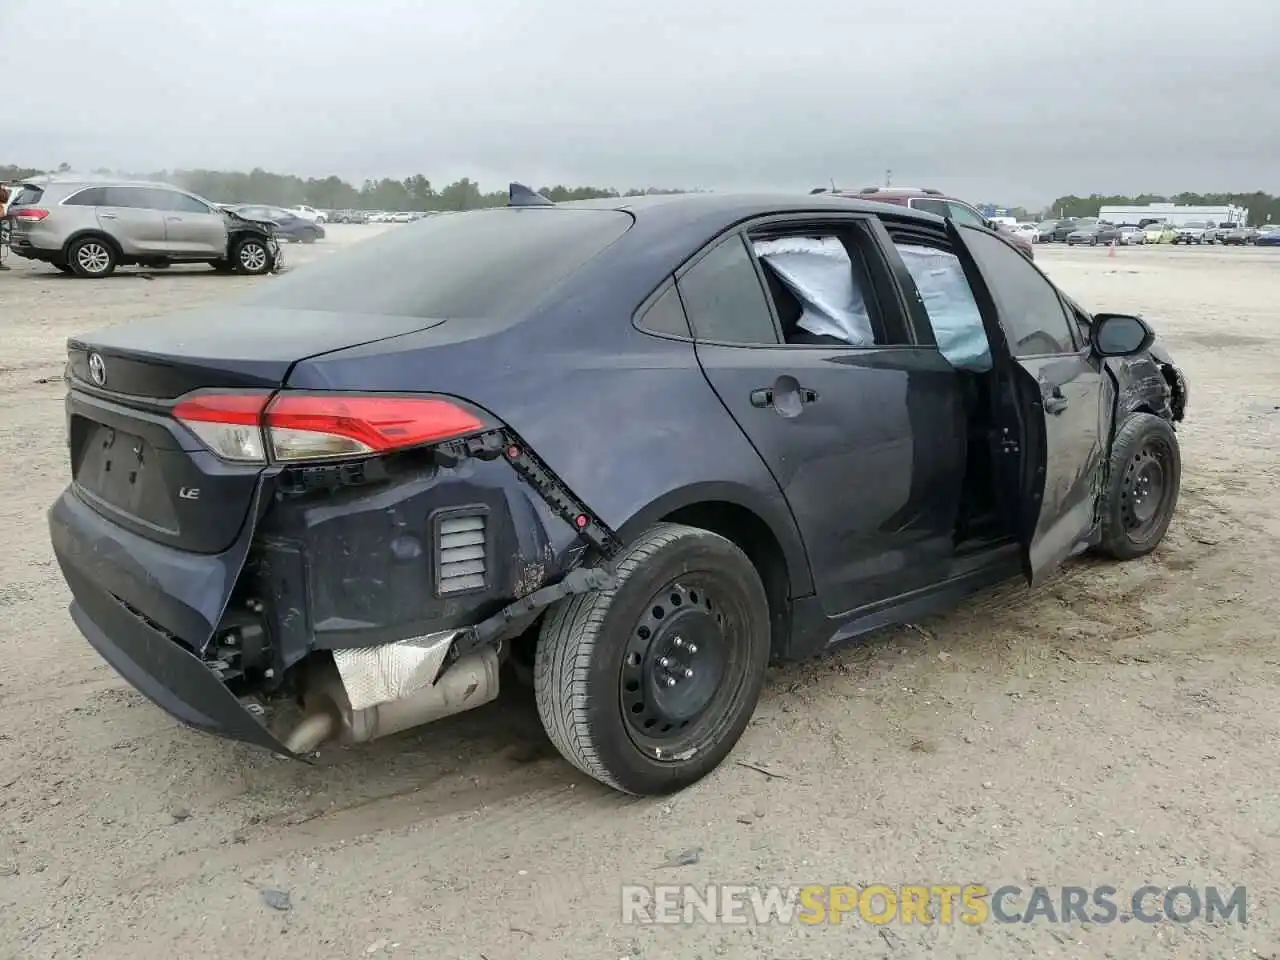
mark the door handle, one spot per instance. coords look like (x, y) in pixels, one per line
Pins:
(1055, 402)
(173, 218)
(764, 396)
(108, 216)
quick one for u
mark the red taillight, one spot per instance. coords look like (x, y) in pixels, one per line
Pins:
(29, 214)
(314, 426)
(320, 426)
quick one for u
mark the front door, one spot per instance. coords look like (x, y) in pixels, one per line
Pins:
(1053, 403)
(863, 435)
(192, 228)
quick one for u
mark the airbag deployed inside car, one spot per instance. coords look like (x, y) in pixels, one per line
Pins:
(819, 273)
(953, 313)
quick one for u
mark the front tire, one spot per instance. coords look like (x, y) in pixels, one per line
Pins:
(92, 257)
(1144, 478)
(648, 685)
(251, 256)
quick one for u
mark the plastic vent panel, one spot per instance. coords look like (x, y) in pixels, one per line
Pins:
(462, 553)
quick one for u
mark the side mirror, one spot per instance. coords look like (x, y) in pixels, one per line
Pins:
(1119, 335)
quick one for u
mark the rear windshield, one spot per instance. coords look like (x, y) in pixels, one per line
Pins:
(482, 264)
(25, 196)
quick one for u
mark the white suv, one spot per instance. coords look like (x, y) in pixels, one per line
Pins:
(310, 213)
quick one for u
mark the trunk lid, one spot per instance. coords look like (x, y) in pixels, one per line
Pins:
(134, 463)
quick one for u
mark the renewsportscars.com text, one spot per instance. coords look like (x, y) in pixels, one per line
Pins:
(969, 904)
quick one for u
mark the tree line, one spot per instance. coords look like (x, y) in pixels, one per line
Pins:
(415, 193)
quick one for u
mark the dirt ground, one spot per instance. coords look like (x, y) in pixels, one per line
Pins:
(1116, 727)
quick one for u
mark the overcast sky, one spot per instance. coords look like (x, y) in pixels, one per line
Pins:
(1011, 101)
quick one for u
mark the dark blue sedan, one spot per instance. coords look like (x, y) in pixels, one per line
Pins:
(289, 225)
(635, 449)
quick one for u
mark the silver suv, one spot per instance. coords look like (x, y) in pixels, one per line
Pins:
(89, 228)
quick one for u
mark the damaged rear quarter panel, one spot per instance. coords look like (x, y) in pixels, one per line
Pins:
(356, 566)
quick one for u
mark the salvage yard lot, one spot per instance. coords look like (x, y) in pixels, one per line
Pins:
(1116, 727)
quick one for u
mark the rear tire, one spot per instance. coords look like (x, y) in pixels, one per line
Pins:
(1144, 478)
(92, 257)
(648, 685)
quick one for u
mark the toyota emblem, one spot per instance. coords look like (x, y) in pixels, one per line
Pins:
(97, 369)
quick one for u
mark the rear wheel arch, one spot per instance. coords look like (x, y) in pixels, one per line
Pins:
(743, 517)
(96, 235)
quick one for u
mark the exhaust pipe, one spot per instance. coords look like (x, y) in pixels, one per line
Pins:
(469, 683)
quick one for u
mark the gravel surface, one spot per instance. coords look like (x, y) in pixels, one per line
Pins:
(1116, 727)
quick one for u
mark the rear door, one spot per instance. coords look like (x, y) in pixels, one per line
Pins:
(132, 217)
(192, 227)
(1054, 403)
(863, 432)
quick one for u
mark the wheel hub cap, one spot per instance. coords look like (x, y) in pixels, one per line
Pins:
(253, 256)
(1144, 489)
(673, 666)
(94, 257)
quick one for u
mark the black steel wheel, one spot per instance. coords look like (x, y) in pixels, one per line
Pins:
(1142, 490)
(647, 686)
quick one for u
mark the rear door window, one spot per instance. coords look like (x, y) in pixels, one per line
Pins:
(723, 297)
(942, 288)
(136, 198)
(92, 197)
(483, 264)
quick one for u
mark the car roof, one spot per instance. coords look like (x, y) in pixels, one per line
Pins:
(689, 209)
(94, 182)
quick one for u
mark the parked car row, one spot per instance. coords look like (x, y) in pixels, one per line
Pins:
(1094, 231)
(375, 216)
